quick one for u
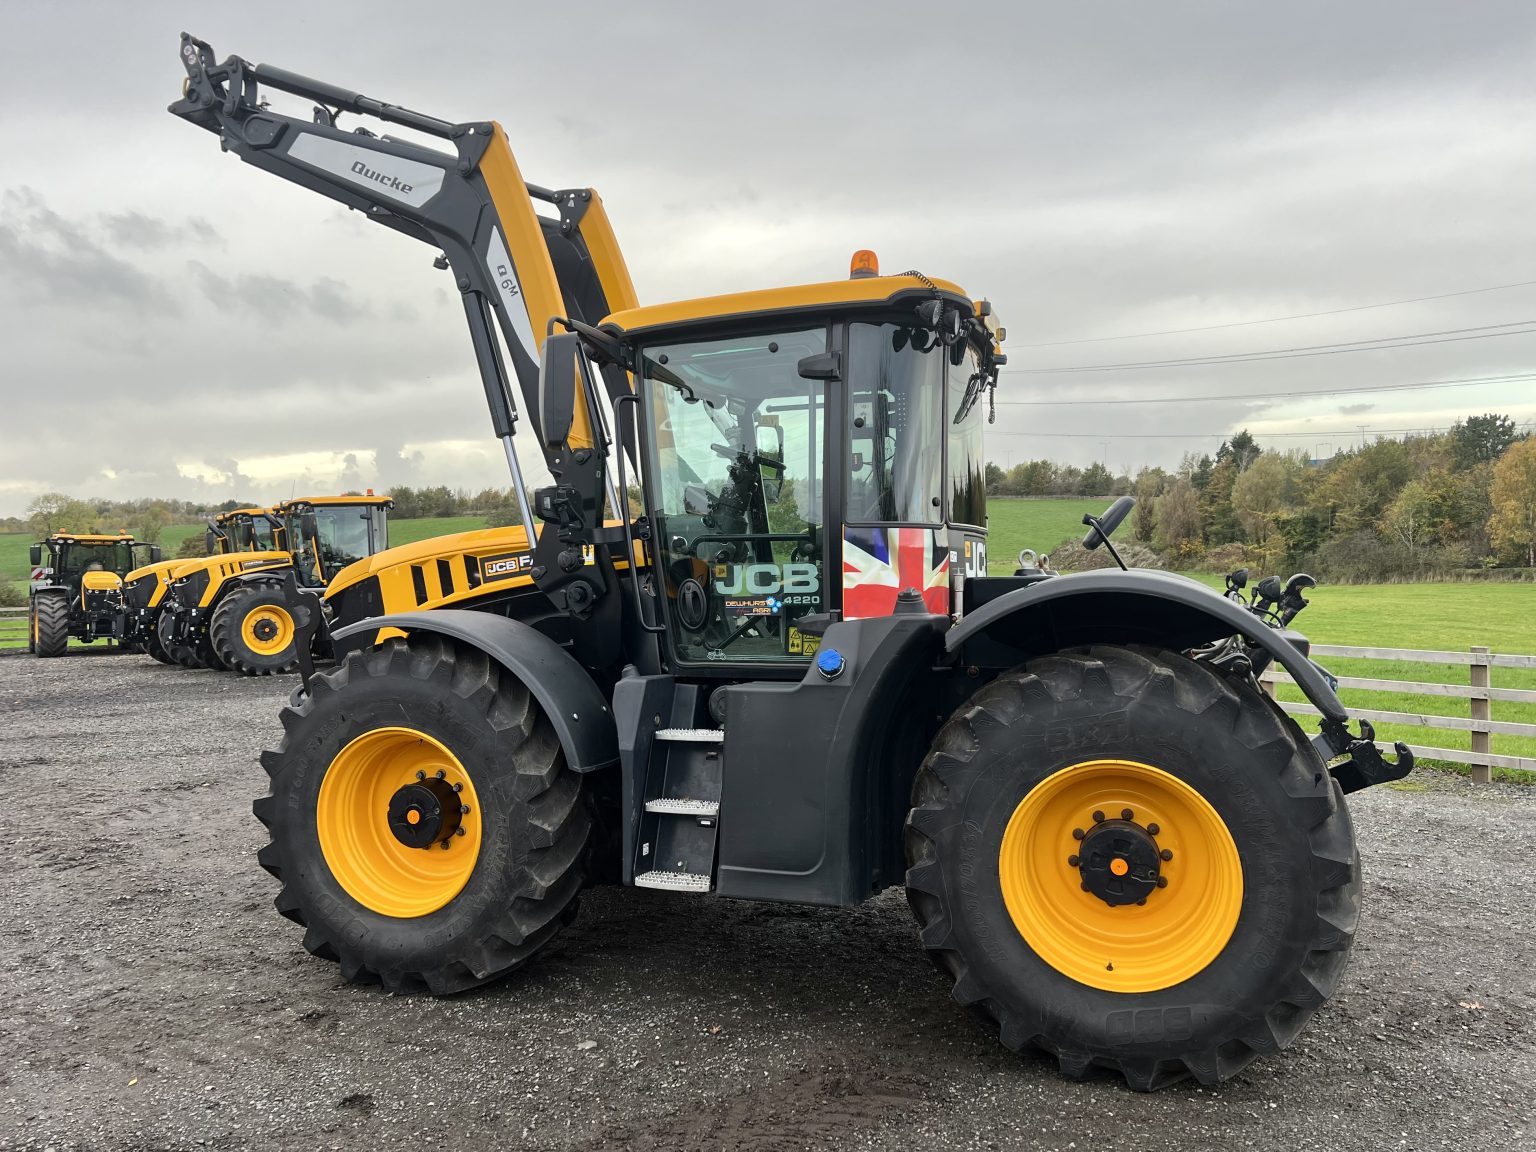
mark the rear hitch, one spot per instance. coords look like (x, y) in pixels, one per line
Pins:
(1365, 765)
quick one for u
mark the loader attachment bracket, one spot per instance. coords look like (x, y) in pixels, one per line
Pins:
(1365, 766)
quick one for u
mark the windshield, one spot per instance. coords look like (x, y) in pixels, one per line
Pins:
(895, 440)
(73, 559)
(738, 472)
(967, 455)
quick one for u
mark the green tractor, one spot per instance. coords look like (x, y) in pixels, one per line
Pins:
(77, 588)
(791, 676)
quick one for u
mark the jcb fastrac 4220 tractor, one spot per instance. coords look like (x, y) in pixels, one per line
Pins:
(801, 685)
(77, 587)
(239, 610)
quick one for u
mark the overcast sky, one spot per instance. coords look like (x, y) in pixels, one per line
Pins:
(176, 323)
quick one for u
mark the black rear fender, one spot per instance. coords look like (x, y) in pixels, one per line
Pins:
(1141, 606)
(564, 689)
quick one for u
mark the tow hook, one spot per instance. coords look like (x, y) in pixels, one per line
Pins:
(1365, 765)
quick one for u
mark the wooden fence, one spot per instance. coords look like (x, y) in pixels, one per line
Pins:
(1476, 691)
(13, 626)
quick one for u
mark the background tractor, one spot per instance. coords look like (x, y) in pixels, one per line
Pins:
(792, 677)
(77, 587)
(240, 610)
(145, 588)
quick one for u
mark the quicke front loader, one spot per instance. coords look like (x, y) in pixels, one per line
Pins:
(791, 677)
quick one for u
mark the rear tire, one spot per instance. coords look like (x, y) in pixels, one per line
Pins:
(50, 631)
(252, 631)
(1227, 961)
(409, 916)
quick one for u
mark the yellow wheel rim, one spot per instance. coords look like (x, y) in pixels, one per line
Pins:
(364, 854)
(1129, 947)
(267, 629)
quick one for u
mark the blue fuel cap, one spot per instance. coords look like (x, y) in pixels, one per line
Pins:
(830, 663)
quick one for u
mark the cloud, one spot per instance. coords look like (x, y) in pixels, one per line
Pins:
(1355, 409)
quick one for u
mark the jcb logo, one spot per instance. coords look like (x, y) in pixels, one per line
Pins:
(497, 567)
(763, 579)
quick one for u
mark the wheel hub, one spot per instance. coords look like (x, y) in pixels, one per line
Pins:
(425, 813)
(1119, 860)
(265, 629)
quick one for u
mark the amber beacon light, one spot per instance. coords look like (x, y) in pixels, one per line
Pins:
(864, 263)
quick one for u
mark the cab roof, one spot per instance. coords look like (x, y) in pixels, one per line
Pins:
(91, 538)
(322, 501)
(870, 291)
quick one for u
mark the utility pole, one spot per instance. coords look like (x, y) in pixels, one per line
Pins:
(1362, 428)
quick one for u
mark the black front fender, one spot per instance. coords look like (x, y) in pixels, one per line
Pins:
(563, 688)
(1142, 606)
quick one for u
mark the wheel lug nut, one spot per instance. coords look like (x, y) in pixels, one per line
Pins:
(464, 809)
(1078, 833)
(1153, 829)
(1162, 881)
(458, 832)
(444, 845)
(1141, 903)
(458, 787)
(1098, 817)
(1085, 885)
(421, 775)
(1166, 853)
(1127, 814)
(441, 774)
(1073, 861)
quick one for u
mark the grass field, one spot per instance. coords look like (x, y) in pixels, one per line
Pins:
(1037, 524)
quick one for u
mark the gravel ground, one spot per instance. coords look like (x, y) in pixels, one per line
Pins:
(155, 1000)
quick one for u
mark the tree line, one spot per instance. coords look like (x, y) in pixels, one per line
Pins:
(1414, 508)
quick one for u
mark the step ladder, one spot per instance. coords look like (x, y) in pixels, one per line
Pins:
(675, 847)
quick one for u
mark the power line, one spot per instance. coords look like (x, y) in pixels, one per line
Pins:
(1314, 434)
(1277, 319)
(1375, 344)
(1464, 382)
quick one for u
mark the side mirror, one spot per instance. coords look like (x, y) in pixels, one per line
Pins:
(1100, 528)
(210, 542)
(557, 388)
(35, 555)
(155, 554)
(309, 526)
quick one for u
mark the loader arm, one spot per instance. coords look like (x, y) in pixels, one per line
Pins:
(472, 203)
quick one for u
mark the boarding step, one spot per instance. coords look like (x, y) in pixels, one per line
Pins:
(674, 881)
(692, 735)
(683, 806)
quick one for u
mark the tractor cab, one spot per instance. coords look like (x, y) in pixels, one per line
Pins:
(326, 534)
(244, 530)
(807, 453)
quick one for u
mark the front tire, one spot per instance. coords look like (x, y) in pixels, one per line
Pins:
(253, 632)
(179, 653)
(50, 630)
(1068, 790)
(344, 783)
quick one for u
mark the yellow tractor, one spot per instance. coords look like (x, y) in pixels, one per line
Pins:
(791, 676)
(77, 587)
(145, 588)
(239, 610)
